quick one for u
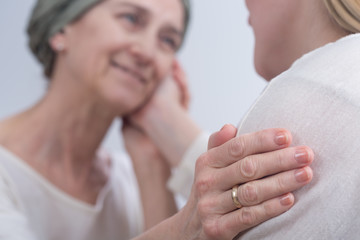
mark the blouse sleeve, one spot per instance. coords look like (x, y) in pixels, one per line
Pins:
(183, 175)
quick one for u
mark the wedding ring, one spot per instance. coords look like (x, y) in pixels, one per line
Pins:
(234, 196)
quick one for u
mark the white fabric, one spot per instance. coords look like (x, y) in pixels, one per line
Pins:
(318, 100)
(183, 175)
(52, 214)
(13, 223)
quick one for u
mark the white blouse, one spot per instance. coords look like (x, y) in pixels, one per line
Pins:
(33, 208)
(318, 100)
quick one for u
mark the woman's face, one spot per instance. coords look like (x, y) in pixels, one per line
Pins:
(274, 23)
(121, 49)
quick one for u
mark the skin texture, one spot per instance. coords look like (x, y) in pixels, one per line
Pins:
(285, 30)
(165, 117)
(109, 63)
(210, 212)
(126, 37)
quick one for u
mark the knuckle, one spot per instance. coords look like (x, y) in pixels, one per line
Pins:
(203, 184)
(247, 217)
(269, 210)
(248, 167)
(212, 229)
(262, 138)
(201, 162)
(280, 184)
(206, 208)
(248, 194)
(202, 209)
(281, 159)
(237, 148)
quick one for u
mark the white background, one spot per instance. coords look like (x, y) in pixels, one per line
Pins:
(217, 57)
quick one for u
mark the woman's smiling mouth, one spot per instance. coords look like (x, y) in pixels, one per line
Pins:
(128, 70)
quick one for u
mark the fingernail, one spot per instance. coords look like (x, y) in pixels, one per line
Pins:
(302, 156)
(301, 175)
(281, 139)
(286, 200)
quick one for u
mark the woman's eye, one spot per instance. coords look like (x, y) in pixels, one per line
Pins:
(131, 18)
(170, 42)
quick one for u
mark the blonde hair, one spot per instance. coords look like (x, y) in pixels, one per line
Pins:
(346, 13)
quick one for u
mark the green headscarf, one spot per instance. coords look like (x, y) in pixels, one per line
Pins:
(48, 18)
(51, 16)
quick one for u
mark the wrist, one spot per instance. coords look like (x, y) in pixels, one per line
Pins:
(189, 224)
(160, 113)
(172, 130)
(154, 169)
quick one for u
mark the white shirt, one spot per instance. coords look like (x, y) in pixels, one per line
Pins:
(38, 208)
(318, 100)
(182, 177)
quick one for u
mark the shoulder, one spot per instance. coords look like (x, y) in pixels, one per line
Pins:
(13, 220)
(333, 60)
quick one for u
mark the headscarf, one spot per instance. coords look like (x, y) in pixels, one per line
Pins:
(346, 13)
(48, 18)
(51, 16)
(187, 7)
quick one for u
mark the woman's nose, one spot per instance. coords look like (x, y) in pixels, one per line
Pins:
(144, 51)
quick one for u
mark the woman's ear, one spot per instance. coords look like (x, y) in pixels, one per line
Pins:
(57, 42)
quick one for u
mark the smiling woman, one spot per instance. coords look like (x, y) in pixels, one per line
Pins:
(104, 59)
(137, 41)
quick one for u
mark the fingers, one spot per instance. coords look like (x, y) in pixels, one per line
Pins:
(265, 164)
(256, 192)
(225, 134)
(247, 217)
(246, 145)
(180, 78)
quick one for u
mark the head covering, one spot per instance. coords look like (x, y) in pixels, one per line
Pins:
(346, 13)
(48, 18)
(187, 12)
(51, 16)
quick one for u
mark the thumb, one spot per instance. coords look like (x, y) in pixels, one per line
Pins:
(226, 133)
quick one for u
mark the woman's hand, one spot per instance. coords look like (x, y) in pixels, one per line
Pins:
(165, 118)
(263, 166)
(152, 172)
(172, 93)
(266, 172)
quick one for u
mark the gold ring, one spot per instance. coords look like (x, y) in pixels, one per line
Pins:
(234, 196)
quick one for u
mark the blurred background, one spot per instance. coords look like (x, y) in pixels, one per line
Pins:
(217, 57)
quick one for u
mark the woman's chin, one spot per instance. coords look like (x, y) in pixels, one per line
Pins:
(123, 109)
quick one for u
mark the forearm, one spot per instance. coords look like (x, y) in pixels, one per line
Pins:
(173, 131)
(165, 230)
(157, 201)
(182, 226)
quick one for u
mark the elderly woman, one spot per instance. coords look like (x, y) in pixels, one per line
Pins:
(104, 59)
(309, 50)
